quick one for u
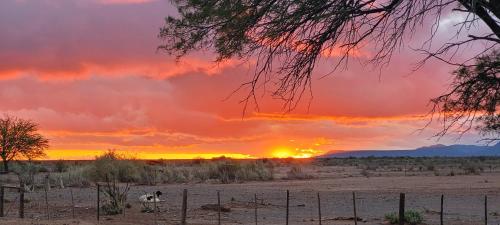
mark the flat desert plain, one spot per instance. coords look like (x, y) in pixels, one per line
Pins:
(377, 194)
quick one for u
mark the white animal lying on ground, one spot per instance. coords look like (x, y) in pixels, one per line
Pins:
(148, 199)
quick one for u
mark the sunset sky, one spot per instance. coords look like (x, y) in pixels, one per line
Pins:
(88, 72)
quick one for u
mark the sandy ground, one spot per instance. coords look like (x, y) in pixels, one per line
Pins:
(376, 196)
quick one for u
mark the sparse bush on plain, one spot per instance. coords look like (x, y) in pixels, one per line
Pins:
(114, 166)
(365, 173)
(430, 167)
(297, 172)
(26, 172)
(116, 198)
(60, 166)
(471, 168)
(124, 170)
(223, 171)
(77, 176)
(411, 217)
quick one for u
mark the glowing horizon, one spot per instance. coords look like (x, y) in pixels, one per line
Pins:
(92, 154)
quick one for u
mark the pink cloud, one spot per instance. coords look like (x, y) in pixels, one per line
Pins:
(93, 80)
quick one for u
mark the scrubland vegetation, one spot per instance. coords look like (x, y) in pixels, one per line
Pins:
(116, 167)
(122, 180)
(435, 166)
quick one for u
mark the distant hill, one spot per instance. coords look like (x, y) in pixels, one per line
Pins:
(428, 151)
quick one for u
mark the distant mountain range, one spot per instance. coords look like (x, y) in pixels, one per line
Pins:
(429, 151)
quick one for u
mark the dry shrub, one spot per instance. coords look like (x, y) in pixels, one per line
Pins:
(116, 198)
(365, 173)
(114, 166)
(60, 166)
(109, 165)
(77, 176)
(471, 167)
(223, 171)
(124, 170)
(296, 172)
(26, 172)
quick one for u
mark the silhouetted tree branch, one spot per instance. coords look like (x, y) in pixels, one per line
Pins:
(288, 37)
(473, 98)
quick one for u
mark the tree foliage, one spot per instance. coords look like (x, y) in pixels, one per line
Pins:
(19, 138)
(473, 97)
(288, 37)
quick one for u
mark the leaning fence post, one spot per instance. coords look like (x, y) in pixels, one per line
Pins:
(401, 208)
(21, 202)
(2, 193)
(485, 210)
(354, 208)
(218, 207)
(287, 205)
(184, 207)
(98, 201)
(255, 212)
(442, 210)
(319, 209)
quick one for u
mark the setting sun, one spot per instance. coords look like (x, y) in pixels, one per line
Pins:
(283, 152)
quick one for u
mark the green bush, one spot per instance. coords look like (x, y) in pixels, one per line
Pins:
(392, 218)
(411, 217)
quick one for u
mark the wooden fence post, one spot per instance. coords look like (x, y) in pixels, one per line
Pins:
(401, 208)
(184, 207)
(319, 209)
(442, 210)
(255, 212)
(21, 202)
(2, 193)
(47, 202)
(72, 203)
(156, 207)
(98, 201)
(287, 205)
(485, 210)
(354, 208)
(218, 207)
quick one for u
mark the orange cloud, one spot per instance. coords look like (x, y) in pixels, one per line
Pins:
(93, 80)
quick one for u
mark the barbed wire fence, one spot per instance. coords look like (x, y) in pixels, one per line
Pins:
(180, 205)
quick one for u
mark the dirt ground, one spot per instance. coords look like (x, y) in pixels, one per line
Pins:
(375, 197)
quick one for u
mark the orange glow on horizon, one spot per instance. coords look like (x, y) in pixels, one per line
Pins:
(91, 154)
(283, 152)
